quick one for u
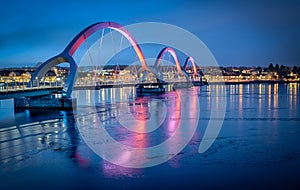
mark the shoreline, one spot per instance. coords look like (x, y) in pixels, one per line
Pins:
(251, 82)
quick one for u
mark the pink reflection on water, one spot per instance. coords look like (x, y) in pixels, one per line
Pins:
(183, 122)
(174, 111)
(83, 161)
(124, 146)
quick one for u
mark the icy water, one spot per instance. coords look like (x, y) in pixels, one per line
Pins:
(257, 147)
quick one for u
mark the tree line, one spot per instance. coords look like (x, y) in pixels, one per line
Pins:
(283, 71)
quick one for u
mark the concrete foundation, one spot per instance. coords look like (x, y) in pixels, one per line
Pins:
(45, 102)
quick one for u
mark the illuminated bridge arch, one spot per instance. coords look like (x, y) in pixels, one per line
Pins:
(191, 59)
(66, 55)
(173, 54)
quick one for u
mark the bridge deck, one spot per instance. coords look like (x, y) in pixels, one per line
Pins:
(47, 90)
(33, 91)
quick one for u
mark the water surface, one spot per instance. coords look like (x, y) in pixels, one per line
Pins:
(257, 147)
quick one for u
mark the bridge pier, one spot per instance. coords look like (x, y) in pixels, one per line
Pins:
(48, 101)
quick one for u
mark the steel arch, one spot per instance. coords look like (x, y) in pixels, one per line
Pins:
(173, 53)
(66, 55)
(191, 59)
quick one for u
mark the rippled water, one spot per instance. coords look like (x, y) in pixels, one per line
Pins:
(257, 147)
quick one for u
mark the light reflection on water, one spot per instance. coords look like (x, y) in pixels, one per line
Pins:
(261, 120)
(136, 135)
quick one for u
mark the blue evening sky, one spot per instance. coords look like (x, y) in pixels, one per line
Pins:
(237, 32)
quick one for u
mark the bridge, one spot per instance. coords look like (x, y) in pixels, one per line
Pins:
(185, 77)
(27, 92)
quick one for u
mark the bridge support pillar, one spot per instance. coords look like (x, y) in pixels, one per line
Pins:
(45, 102)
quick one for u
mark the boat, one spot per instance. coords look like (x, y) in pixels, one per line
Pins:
(150, 88)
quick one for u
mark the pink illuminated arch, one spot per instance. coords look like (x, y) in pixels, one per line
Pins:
(67, 54)
(84, 34)
(191, 59)
(173, 53)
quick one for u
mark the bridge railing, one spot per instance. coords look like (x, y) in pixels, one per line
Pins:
(24, 85)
